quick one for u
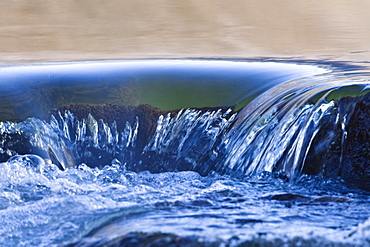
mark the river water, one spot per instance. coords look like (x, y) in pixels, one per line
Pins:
(202, 178)
(90, 30)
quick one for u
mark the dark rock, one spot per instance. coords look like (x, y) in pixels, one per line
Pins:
(12, 144)
(141, 239)
(288, 197)
(355, 141)
(341, 148)
(321, 147)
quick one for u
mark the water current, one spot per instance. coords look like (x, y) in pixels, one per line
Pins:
(232, 174)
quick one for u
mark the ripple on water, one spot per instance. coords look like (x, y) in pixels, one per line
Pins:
(40, 205)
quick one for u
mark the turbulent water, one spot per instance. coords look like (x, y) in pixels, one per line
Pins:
(215, 177)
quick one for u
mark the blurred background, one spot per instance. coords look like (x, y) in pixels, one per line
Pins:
(54, 30)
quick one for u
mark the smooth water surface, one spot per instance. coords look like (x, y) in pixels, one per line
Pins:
(217, 176)
(31, 90)
(85, 30)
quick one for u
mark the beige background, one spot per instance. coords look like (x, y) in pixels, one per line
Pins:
(54, 30)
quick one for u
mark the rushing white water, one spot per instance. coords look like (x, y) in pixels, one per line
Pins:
(206, 176)
(276, 130)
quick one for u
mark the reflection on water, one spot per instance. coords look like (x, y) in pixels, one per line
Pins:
(34, 90)
(41, 205)
(82, 30)
(199, 177)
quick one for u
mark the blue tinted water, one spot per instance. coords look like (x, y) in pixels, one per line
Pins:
(228, 194)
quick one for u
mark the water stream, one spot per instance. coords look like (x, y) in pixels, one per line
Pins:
(238, 173)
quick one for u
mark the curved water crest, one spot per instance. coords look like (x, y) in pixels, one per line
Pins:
(184, 152)
(291, 126)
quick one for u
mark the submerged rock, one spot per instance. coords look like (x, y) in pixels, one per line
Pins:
(141, 239)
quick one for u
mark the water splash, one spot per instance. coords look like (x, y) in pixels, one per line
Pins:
(71, 180)
(275, 132)
(186, 141)
(181, 142)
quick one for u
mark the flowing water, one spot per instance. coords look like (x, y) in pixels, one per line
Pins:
(216, 177)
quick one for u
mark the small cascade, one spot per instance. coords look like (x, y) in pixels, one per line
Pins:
(88, 141)
(67, 141)
(286, 130)
(187, 140)
(343, 123)
(287, 135)
(290, 130)
(99, 173)
(181, 142)
(275, 139)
